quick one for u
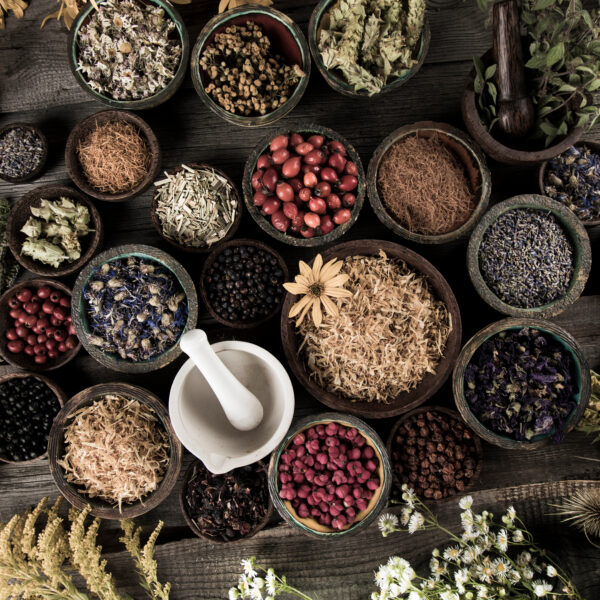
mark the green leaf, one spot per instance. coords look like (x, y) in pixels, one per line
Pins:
(587, 18)
(479, 66)
(542, 4)
(556, 53)
(583, 119)
(592, 85)
(544, 111)
(490, 72)
(493, 92)
(563, 129)
(585, 69)
(566, 87)
(478, 84)
(548, 128)
(536, 62)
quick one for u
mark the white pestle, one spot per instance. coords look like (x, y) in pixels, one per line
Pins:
(242, 408)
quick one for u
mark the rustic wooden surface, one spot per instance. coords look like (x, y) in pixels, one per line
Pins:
(37, 86)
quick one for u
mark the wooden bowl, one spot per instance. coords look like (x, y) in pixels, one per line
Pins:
(101, 508)
(60, 396)
(376, 504)
(430, 384)
(80, 321)
(232, 230)
(336, 80)
(464, 149)
(20, 212)
(38, 170)
(21, 360)
(446, 412)
(191, 470)
(572, 227)
(559, 334)
(265, 224)
(213, 256)
(594, 145)
(87, 126)
(287, 39)
(144, 103)
(496, 149)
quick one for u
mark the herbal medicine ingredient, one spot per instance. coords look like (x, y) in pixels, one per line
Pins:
(21, 152)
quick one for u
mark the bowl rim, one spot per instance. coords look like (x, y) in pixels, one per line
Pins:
(143, 103)
(87, 397)
(265, 225)
(107, 116)
(441, 290)
(232, 229)
(210, 260)
(478, 160)
(562, 336)
(42, 164)
(384, 462)
(572, 227)
(149, 253)
(58, 393)
(218, 21)
(336, 82)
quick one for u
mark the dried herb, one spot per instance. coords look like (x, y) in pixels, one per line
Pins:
(522, 384)
(229, 506)
(195, 207)
(9, 267)
(371, 42)
(16, 6)
(590, 422)
(582, 510)
(135, 308)
(68, 11)
(21, 152)
(225, 5)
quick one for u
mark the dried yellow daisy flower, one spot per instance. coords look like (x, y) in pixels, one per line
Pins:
(229, 4)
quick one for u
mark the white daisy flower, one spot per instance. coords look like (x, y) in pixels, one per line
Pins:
(452, 554)
(518, 536)
(551, 571)
(387, 524)
(541, 588)
(234, 593)
(511, 513)
(405, 516)
(501, 569)
(466, 502)
(416, 522)
(248, 566)
(271, 582)
(502, 540)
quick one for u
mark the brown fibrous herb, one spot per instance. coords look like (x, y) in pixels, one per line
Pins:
(424, 186)
(114, 157)
(116, 449)
(389, 334)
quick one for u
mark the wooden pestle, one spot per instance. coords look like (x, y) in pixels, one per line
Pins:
(516, 113)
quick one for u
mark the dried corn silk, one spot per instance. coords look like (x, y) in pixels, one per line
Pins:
(388, 336)
(424, 186)
(116, 449)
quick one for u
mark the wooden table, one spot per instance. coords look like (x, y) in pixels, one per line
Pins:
(36, 85)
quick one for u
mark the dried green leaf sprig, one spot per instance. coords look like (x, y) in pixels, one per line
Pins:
(590, 423)
(582, 510)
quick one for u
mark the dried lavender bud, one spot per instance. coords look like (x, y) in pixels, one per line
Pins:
(522, 383)
(21, 151)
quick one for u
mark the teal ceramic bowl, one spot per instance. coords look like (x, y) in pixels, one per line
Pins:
(564, 338)
(79, 311)
(144, 103)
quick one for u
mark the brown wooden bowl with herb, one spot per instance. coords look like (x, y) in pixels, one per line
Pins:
(428, 384)
(146, 407)
(7, 327)
(20, 214)
(474, 176)
(173, 201)
(148, 154)
(213, 259)
(60, 396)
(37, 170)
(239, 520)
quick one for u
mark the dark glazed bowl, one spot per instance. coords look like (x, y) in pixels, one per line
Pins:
(337, 81)
(56, 448)
(377, 503)
(430, 384)
(78, 308)
(572, 227)
(144, 103)
(22, 360)
(200, 249)
(464, 149)
(89, 124)
(264, 222)
(194, 526)
(210, 261)
(594, 145)
(20, 212)
(560, 335)
(38, 170)
(288, 40)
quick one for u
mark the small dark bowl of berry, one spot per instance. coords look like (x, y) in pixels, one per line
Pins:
(241, 283)
(36, 331)
(28, 404)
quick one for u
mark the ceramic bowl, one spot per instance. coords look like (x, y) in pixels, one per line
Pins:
(287, 39)
(560, 335)
(572, 227)
(264, 223)
(79, 313)
(464, 149)
(377, 502)
(153, 101)
(56, 449)
(41, 165)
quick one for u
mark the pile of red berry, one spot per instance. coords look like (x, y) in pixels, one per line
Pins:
(305, 187)
(42, 326)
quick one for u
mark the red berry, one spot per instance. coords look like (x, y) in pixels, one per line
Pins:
(44, 291)
(24, 295)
